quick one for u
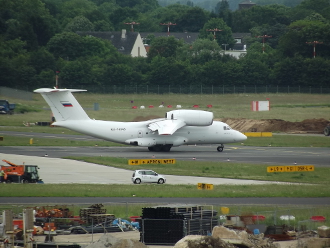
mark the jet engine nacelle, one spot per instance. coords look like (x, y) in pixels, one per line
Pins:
(191, 117)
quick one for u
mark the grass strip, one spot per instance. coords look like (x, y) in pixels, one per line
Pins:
(219, 170)
(159, 191)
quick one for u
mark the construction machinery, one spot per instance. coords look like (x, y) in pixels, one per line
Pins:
(20, 173)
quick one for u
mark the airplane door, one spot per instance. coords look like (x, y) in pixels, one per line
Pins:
(140, 134)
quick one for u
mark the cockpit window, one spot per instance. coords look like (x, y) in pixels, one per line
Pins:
(226, 128)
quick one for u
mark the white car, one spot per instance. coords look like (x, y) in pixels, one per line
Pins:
(147, 176)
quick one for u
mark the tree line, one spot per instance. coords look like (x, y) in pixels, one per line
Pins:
(38, 40)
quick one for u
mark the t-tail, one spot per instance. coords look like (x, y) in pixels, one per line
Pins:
(63, 104)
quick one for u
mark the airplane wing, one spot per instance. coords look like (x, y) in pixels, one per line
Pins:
(166, 127)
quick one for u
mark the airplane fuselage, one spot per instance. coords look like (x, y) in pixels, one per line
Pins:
(124, 133)
(179, 127)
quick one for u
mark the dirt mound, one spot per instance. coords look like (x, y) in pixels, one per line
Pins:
(269, 125)
(276, 125)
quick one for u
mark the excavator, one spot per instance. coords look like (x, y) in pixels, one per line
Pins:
(20, 173)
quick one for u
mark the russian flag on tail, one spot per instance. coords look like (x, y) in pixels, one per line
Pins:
(66, 104)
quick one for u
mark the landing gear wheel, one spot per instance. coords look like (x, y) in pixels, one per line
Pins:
(166, 148)
(137, 181)
(160, 148)
(161, 181)
(220, 148)
(157, 148)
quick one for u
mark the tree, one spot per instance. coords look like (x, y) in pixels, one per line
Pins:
(97, 47)
(200, 52)
(223, 11)
(289, 71)
(71, 9)
(73, 74)
(244, 20)
(192, 20)
(119, 15)
(42, 60)
(164, 47)
(274, 32)
(28, 20)
(294, 40)
(171, 13)
(317, 72)
(66, 45)
(212, 74)
(44, 79)
(224, 36)
(318, 6)
(79, 23)
(255, 72)
(166, 71)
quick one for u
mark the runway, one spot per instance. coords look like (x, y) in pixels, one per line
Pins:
(54, 169)
(244, 154)
(317, 156)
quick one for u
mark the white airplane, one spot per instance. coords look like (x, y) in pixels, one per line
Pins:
(179, 127)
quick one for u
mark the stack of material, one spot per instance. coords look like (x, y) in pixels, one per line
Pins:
(168, 224)
(89, 215)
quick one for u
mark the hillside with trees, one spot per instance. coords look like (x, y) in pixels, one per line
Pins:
(38, 39)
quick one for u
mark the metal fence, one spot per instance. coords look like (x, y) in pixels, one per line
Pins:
(192, 89)
(200, 89)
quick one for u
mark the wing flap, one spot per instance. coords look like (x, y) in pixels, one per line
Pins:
(166, 127)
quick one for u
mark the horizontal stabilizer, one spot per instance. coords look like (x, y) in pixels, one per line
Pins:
(166, 127)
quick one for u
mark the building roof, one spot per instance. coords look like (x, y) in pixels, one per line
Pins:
(188, 37)
(122, 40)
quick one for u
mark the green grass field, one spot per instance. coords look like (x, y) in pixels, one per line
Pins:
(289, 107)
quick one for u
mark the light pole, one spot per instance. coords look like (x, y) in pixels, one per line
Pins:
(263, 41)
(314, 45)
(132, 25)
(168, 26)
(214, 30)
(56, 79)
(225, 46)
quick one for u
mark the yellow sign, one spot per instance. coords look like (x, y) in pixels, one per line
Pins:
(151, 161)
(205, 186)
(133, 161)
(305, 168)
(258, 134)
(290, 168)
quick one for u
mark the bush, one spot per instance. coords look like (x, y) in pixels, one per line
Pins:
(20, 108)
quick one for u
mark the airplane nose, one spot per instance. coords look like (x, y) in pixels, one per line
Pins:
(240, 137)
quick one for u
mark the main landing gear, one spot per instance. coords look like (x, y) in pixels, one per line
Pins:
(220, 148)
(160, 148)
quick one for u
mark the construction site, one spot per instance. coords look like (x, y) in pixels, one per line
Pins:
(175, 225)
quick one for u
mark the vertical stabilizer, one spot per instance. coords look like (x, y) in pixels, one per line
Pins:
(63, 104)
